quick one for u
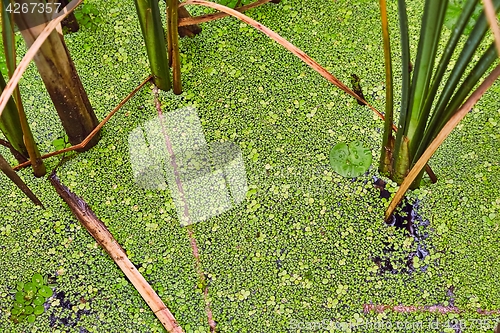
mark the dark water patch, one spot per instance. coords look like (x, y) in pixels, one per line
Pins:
(63, 317)
(407, 219)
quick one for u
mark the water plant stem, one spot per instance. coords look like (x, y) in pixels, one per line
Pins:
(95, 131)
(9, 172)
(173, 44)
(152, 32)
(443, 134)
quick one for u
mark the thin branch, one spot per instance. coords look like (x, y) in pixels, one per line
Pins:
(443, 134)
(489, 10)
(297, 52)
(19, 157)
(94, 132)
(216, 16)
(101, 234)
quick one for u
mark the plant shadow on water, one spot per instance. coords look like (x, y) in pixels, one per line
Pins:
(72, 319)
(412, 224)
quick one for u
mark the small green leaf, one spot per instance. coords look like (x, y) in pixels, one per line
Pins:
(19, 297)
(39, 300)
(37, 280)
(30, 291)
(39, 309)
(28, 310)
(31, 318)
(350, 160)
(45, 291)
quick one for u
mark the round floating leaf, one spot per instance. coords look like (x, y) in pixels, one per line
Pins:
(18, 305)
(39, 310)
(37, 280)
(30, 291)
(31, 318)
(28, 310)
(15, 311)
(20, 286)
(19, 297)
(45, 291)
(39, 300)
(350, 160)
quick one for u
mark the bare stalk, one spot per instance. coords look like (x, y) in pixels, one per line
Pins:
(106, 240)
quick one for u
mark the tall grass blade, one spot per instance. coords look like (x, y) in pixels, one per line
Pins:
(9, 121)
(405, 85)
(173, 39)
(152, 31)
(471, 45)
(443, 134)
(450, 48)
(432, 25)
(60, 77)
(437, 122)
(24, 136)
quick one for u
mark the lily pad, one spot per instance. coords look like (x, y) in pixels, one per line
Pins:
(39, 300)
(350, 160)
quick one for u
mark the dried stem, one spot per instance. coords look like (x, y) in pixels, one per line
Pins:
(489, 10)
(106, 240)
(94, 132)
(211, 17)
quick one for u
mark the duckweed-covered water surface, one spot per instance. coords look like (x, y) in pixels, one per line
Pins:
(306, 249)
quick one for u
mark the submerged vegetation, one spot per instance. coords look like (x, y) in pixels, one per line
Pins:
(307, 247)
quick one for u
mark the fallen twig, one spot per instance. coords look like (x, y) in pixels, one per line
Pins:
(101, 234)
(94, 132)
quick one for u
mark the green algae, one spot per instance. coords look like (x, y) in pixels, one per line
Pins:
(300, 247)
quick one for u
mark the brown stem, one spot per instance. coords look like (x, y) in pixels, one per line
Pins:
(9, 172)
(18, 156)
(94, 132)
(69, 22)
(211, 17)
(187, 30)
(39, 169)
(101, 234)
